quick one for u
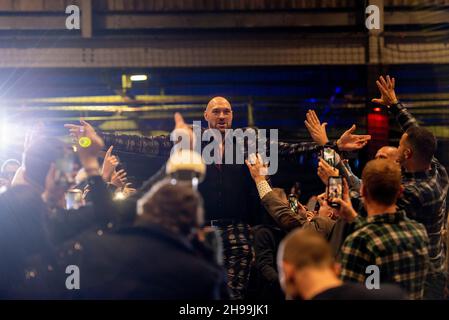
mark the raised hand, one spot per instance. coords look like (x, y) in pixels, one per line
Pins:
(127, 190)
(88, 144)
(119, 178)
(316, 130)
(325, 170)
(182, 134)
(386, 88)
(110, 162)
(257, 168)
(351, 142)
(32, 133)
(346, 211)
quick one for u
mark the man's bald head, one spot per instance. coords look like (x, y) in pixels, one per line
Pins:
(303, 257)
(388, 153)
(217, 101)
(305, 248)
(218, 114)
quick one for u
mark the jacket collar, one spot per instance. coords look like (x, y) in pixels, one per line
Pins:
(386, 218)
(422, 175)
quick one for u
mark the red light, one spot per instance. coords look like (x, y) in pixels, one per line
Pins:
(377, 109)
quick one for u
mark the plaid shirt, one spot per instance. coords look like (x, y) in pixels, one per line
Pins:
(394, 243)
(424, 197)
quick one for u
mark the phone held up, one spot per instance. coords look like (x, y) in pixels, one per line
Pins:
(328, 155)
(335, 190)
(64, 168)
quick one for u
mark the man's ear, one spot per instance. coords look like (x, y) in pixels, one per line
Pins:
(288, 274)
(362, 190)
(337, 269)
(288, 269)
(205, 115)
(408, 153)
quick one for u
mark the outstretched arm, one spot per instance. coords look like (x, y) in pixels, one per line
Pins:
(389, 99)
(347, 141)
(152, 145)
(149, 145)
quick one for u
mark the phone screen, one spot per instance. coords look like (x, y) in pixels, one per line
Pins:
(335, 190)
(329, 156)
(74, 199)
(293, 203)
(64, 169)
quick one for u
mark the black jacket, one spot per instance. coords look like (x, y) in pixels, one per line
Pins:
(30, 234)
(228, 190)
(142, 262)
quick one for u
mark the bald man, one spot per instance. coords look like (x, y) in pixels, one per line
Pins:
(308, 271)
(231, 200)
(387, 152)
(218, 114)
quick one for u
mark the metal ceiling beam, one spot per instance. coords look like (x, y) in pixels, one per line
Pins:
(418, 17)
(107, 21)
(226, 20)
(86, 19)
(188, 54)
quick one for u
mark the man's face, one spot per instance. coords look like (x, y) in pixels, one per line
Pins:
(388, 153)
(219, 114)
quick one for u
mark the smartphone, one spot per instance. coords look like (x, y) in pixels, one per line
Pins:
(74, 199)
(313, 205)
(293, 201)
(328, 155)
(335, 190)
(64, 169)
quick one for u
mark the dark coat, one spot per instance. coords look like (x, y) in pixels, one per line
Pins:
(228, 190)
(30, 234)
(142, 262)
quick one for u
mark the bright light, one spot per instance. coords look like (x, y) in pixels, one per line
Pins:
(12, 135)
(119, 196)
(138, 77)
(8, 134)
(377, 109)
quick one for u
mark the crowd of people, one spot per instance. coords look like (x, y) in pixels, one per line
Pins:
(72, 227)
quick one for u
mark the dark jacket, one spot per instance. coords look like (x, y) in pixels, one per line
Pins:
(266, 243)
(30, 233)
(228, 190)
(142, 262)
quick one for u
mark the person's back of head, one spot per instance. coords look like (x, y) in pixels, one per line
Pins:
(304, 259)
(38, 158)
(418, 145)
(9, 168)
(176, 207)
(13, 163)
(381, 182)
